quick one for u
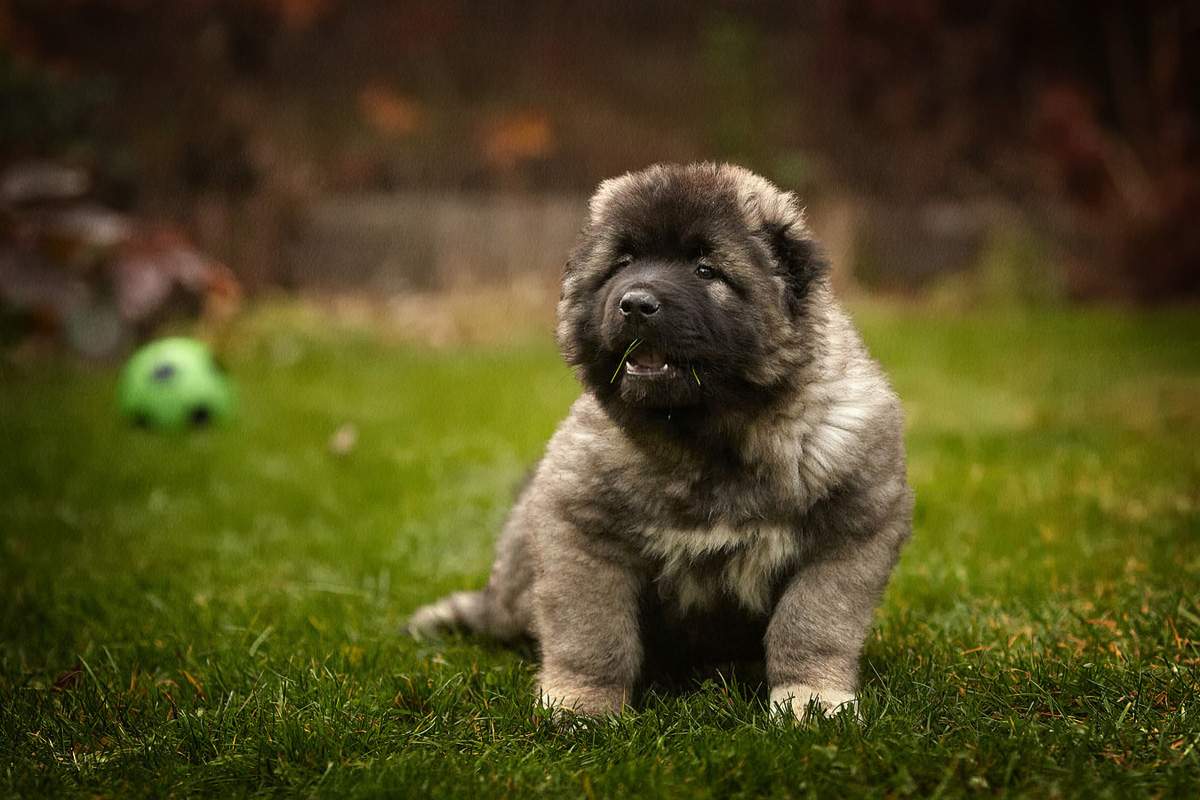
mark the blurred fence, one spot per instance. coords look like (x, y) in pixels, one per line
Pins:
(417, 241)
(434, 241)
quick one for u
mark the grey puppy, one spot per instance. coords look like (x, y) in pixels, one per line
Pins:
(731, 484)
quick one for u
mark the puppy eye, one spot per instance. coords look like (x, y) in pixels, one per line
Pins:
(704, 270)
(623, 261)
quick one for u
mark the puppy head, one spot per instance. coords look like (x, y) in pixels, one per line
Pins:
(689, 287)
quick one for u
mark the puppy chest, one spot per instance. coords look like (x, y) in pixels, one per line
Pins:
(702, 568)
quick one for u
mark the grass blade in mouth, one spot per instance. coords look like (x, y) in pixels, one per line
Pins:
(632, 346)
(694, 375)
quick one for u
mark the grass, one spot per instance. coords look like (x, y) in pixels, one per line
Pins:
(219, 614)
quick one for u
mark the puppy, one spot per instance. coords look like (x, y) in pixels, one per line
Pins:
(731, 484)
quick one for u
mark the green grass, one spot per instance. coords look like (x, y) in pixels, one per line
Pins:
(220, 614)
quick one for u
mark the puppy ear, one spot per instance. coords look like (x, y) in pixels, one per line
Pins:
(800, 259)
(604, 195)
(778, 220)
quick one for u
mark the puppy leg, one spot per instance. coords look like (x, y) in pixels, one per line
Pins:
(818, 628)
(586, 609)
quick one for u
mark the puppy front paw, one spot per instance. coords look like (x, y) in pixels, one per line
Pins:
(574, 700)
(798, 703)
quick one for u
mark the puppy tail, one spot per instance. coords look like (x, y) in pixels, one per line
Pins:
(459, 611)
(503, 609)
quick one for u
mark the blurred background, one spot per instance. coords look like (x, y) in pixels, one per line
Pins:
(426, 164)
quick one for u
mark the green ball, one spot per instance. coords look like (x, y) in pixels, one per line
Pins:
(174, 384)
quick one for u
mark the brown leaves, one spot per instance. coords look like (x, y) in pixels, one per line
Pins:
(68, 679)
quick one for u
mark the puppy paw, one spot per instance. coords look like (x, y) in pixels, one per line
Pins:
(799, 704)
(575, 702)
(568, 722)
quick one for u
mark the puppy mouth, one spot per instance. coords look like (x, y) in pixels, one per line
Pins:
(648, 376)
(643, 360)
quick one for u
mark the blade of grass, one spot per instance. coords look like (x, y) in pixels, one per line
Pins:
(632, 346)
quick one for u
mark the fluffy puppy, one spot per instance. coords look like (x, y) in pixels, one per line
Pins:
(731, 484)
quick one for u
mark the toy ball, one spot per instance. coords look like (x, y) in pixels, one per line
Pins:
(174, 384)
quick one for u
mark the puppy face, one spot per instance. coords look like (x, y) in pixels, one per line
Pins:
(688, 289)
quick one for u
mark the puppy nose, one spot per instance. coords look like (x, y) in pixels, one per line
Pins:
(639, 301)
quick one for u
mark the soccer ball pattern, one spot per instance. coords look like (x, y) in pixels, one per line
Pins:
(175, 384)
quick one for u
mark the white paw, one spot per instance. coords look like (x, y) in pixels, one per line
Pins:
(798, 703)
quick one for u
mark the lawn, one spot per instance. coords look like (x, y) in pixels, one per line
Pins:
(220, 614)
